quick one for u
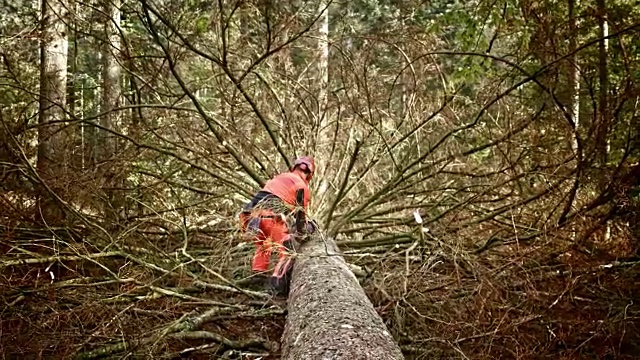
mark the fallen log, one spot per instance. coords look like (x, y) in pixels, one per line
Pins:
(329, 315)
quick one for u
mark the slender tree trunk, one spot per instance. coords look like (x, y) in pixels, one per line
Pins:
(329, 315)
(74, 95)
(73, 61)
(602, 125)
(92, 132)
(53, 156)
(323, 131)
(574, 73)
(574, 84)
(135, 130)
(111, 94)
(323, 63)
(110, 76)
(83, 136)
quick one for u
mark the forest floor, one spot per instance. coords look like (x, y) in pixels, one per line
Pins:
(516, 302)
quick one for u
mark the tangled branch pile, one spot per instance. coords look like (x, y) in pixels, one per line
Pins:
(482, 174)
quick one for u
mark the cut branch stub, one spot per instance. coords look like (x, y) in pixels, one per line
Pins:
(329, 315)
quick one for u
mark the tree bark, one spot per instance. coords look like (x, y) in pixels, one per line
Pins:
(574, 73)
(111, 94)
(110, 77)
(329, 315)
(323, 141)
(602, 120)
(53, 156)
(323, 64)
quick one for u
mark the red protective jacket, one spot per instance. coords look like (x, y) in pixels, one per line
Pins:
(285, 186)
(270, 229)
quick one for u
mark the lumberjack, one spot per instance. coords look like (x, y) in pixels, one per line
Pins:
(276, 217)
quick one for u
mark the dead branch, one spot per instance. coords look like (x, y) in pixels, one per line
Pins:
(188, 326)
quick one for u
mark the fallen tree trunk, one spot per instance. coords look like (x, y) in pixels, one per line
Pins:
(329, 315)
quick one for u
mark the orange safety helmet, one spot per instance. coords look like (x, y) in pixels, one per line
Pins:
(305, 163)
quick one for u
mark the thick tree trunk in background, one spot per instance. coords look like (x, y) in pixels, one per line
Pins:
(329, 315)
(53, 156)
(111, 94)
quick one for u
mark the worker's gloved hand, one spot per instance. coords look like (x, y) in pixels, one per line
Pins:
(312, 226)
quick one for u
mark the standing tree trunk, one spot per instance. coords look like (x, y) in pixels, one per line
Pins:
(329, 315)
(602, 120)
(111, 91)
(73, 59)
(323, 141)
(110, 76)
(573, 76)
(323, 63)
(53, 156)
(574, 73)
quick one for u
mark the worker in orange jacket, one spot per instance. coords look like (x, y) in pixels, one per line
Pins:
(267, 219)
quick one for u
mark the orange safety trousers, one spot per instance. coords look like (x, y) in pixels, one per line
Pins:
(273, 232)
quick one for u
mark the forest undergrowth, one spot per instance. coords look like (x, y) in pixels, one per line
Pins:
(552, 298)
